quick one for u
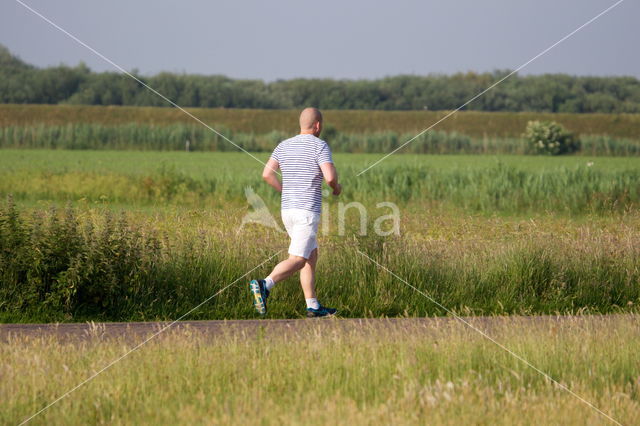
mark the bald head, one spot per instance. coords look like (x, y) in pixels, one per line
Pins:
(311, 121)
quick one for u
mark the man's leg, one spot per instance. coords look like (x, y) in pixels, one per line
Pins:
(308, 283)
(286, 268)
(308, 276)
(260, 289)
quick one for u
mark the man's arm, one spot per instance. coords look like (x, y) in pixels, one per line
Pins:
(331, 177)
(269, 174)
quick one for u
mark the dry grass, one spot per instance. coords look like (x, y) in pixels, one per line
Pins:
(168, 260)
(471, 123)
(436, 373)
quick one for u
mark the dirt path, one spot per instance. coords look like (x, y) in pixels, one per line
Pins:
(249, 328)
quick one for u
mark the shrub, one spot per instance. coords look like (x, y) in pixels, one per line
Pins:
(550, 138)
(52, 262)
(63, 265)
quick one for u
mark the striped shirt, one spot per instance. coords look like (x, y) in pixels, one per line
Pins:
(299, 158)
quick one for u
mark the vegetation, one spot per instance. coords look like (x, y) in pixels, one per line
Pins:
(63, 269)
(95, 234)
(180, 239)
(505, 185)
(259, 122)
(57, 268)
(550, 138)
(23, 83)
(194, 137)
(394, 373)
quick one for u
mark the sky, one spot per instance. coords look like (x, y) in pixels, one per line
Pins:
(340, 39)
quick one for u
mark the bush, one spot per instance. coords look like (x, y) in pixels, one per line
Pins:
(550, 138)
(53, 263)
(62, 265)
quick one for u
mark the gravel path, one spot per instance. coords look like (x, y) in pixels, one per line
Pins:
(136, 330)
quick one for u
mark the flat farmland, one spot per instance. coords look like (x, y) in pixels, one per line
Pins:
(472, 123)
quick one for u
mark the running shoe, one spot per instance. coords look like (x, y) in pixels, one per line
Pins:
(260, 294)
(322, 311)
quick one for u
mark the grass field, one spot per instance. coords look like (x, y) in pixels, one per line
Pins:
(472, 123)
(482, 234)
(130, 235)
(485, 184)
(399, 177)
(438, 373)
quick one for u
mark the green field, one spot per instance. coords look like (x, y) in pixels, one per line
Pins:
(139, 234)
(439, 373)
(481, 184)
(482, 234)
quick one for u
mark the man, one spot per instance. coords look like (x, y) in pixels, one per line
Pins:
(304, 160)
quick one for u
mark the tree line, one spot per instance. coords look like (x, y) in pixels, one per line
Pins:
(24, 83)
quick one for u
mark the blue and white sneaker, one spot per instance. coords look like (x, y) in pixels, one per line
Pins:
(260, 294)
(322, 311)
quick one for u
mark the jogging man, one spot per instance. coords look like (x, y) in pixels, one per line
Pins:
(304, 160)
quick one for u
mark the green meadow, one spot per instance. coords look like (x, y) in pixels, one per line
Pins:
(130, 235)
(144, 233)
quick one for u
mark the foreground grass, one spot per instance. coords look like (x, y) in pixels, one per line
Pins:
(89, 264)
(436, 373)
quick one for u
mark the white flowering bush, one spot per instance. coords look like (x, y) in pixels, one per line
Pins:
(550, 138)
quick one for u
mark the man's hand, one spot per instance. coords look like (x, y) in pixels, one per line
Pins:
(337, 189)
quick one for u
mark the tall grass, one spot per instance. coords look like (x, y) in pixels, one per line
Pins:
(472, 123)
(132, 137)
(84, 264)
(500, 187)
(180, 136)
(606, 145)
(404, 373)
(485, 185)
(56, 266)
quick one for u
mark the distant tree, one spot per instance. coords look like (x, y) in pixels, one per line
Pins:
(24, 83)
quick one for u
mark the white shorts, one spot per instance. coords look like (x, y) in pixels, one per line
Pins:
(302, 227)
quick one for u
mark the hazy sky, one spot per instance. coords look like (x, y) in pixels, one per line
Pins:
(338, 39)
